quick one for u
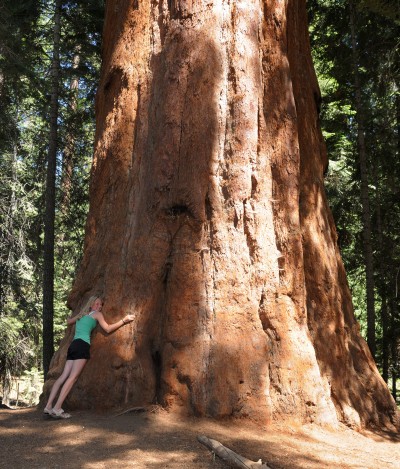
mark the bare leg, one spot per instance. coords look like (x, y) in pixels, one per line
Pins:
(58, 383)
(77, 367)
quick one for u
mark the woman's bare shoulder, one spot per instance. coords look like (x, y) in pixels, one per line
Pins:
(97, 315)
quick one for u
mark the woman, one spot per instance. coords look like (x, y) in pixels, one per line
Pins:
(79, 351)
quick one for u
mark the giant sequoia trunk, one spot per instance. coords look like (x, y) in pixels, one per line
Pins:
(209, 219)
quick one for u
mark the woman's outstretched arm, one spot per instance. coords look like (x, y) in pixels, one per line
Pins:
(116, 325)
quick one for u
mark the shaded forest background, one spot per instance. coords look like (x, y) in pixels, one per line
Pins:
(49, 68)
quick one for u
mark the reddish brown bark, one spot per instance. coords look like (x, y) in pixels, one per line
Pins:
(208, 218)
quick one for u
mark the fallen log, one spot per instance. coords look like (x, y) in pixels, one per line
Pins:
(234, 459)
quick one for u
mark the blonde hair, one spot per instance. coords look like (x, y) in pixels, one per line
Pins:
(89, 303)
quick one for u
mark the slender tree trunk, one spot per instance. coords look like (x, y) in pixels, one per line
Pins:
(9, 237)
(208, 219)
(68, 154)
(385, 337)
(397, 91)
(384, 301)
(394, 345)
(382, 268)
(3, 267)
(14, 242)
(366, 217)
(1, 81)
(49, 217)
(395, 342)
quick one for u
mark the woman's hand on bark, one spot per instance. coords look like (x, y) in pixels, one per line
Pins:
(129, 318)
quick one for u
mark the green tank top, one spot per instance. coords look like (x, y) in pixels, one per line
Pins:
(84, 327)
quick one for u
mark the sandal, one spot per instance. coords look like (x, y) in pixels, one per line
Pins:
(47, 411)
(60, 414)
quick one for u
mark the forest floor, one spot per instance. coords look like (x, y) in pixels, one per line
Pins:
(158, 439)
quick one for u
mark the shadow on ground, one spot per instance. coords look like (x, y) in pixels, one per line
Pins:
(158, 439)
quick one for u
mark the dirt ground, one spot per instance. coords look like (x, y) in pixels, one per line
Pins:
(158, 439)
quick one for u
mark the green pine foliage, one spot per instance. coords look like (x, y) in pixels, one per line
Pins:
(379, 72)
(14, 349)
(25, 57)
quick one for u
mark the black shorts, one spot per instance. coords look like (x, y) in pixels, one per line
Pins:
(78, 349)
